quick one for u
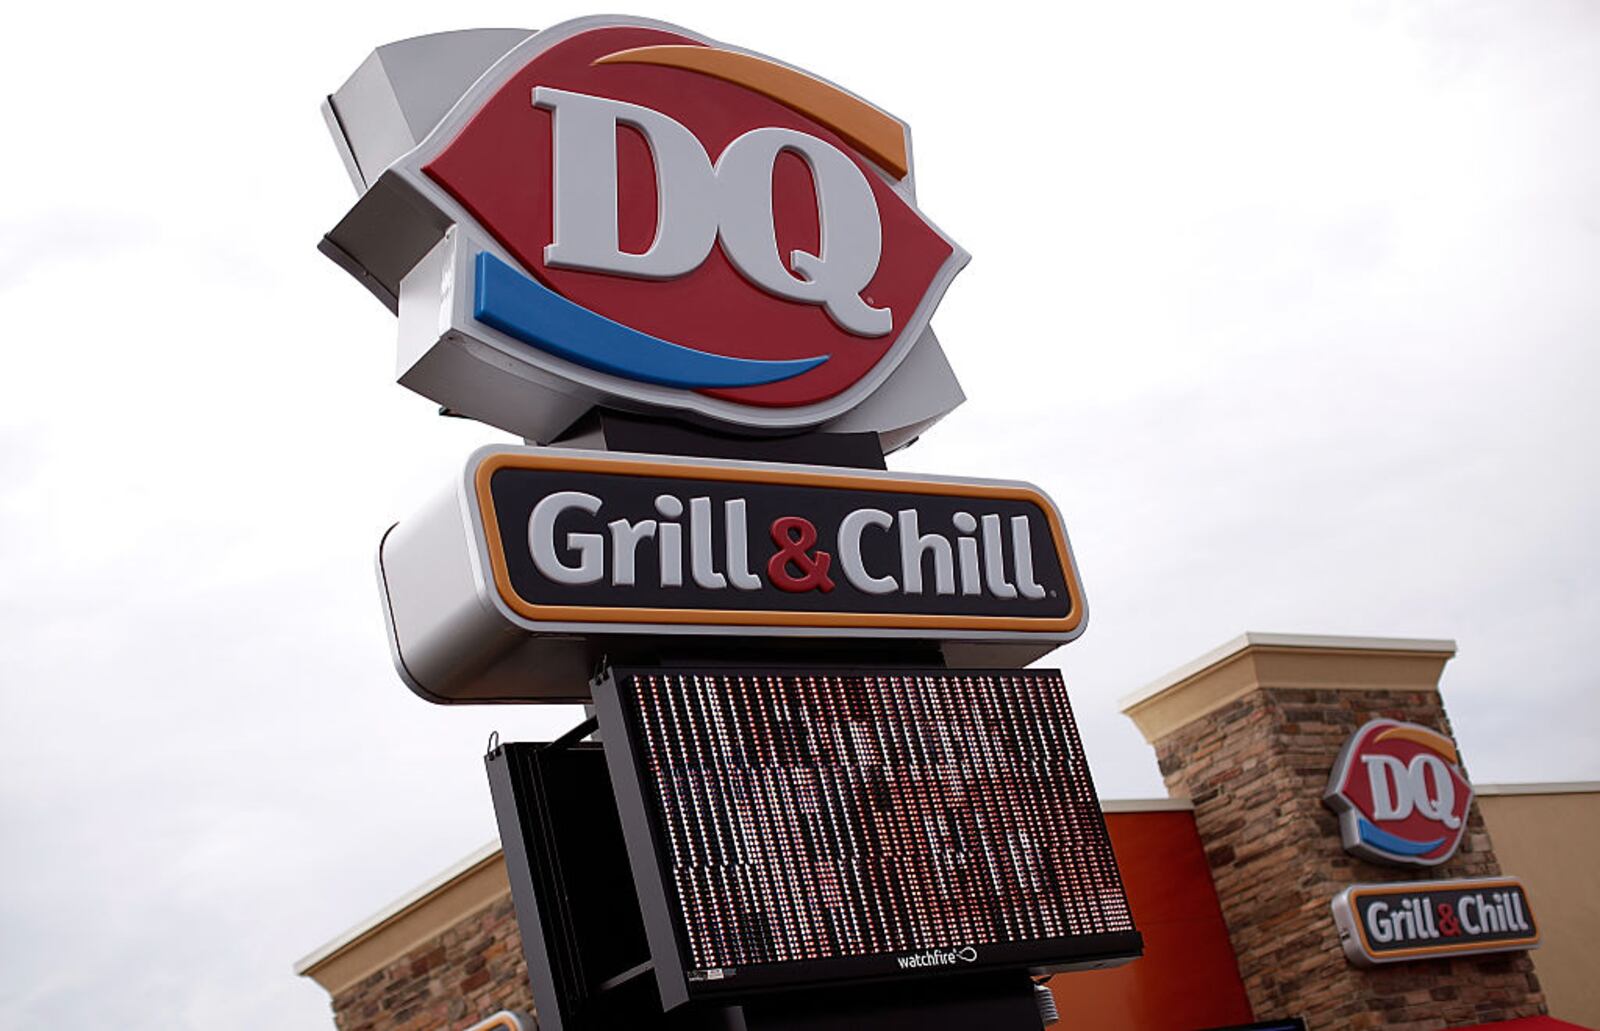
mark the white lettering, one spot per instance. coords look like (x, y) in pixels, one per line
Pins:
(1387, 777)
(1403, 923)
(1493, 918)
(971, 559)
(542, 539)
(1438, 802)
(669, 541)
(738, 547)
(698, 203)
(855, 570)
(1522, 916)
(938, 957)
(1424, 785)
(1022, 555)
(994, 560)
(967, 548)
(852, 234)
(914, 545)
(625, 538)
(1471, 925)
(584, 138)
(1378, 923)
(700, 566)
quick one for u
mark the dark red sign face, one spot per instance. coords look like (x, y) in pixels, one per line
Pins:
(1400, 794)
(694, 217)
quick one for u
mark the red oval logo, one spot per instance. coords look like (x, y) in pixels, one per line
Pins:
(1400, 794)
(693, 217)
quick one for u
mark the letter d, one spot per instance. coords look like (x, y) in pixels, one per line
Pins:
(584, 235)
(1391, 797)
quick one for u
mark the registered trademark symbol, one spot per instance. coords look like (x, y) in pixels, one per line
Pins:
(1052, 593)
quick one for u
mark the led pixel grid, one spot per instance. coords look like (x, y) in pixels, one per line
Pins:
(937, 819)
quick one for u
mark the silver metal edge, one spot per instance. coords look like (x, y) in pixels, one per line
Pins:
(395, 655)
(341, 142)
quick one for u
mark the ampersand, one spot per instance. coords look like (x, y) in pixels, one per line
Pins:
(794, 537)
(1449, 925)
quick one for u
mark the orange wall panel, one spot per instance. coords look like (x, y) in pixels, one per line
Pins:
(1187, 978)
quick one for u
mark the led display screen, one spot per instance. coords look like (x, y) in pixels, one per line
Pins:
(813, 826)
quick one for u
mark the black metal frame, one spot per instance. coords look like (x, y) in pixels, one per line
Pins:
(575, 904)
(572, 995)
(647, 844)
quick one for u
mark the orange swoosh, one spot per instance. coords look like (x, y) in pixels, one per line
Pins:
(1426, 738)
(869, 130)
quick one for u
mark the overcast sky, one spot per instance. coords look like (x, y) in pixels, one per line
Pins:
(1293, 308)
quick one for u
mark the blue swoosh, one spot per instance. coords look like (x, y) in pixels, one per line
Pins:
(1382, 839)
(527, 310)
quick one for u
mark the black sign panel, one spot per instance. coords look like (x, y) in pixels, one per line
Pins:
(1390, 923)
(789, 828)
(570, 883)
(603, 539)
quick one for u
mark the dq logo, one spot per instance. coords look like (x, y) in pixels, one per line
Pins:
(1400, 794)
(686, 216)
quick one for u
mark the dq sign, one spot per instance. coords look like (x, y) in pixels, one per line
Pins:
(1400, 794)
(633, 215)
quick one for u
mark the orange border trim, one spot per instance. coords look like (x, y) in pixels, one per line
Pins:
(493, 463)
(871, 131)
(502, 1021)
(1404, 888)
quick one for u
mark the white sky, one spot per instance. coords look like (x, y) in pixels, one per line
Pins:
(1293, 308)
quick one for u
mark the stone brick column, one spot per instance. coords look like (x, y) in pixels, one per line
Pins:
(446, 957)
(1249, 733)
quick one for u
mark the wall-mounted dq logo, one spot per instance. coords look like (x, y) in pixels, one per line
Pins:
(1400, 794)
(628, 211)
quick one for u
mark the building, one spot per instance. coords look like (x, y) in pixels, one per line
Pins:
(1230, 878)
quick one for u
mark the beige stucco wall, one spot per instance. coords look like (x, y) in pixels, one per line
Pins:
(1549, 836)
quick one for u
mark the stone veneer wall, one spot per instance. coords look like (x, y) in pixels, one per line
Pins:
(1255, 770)
(454, 980)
